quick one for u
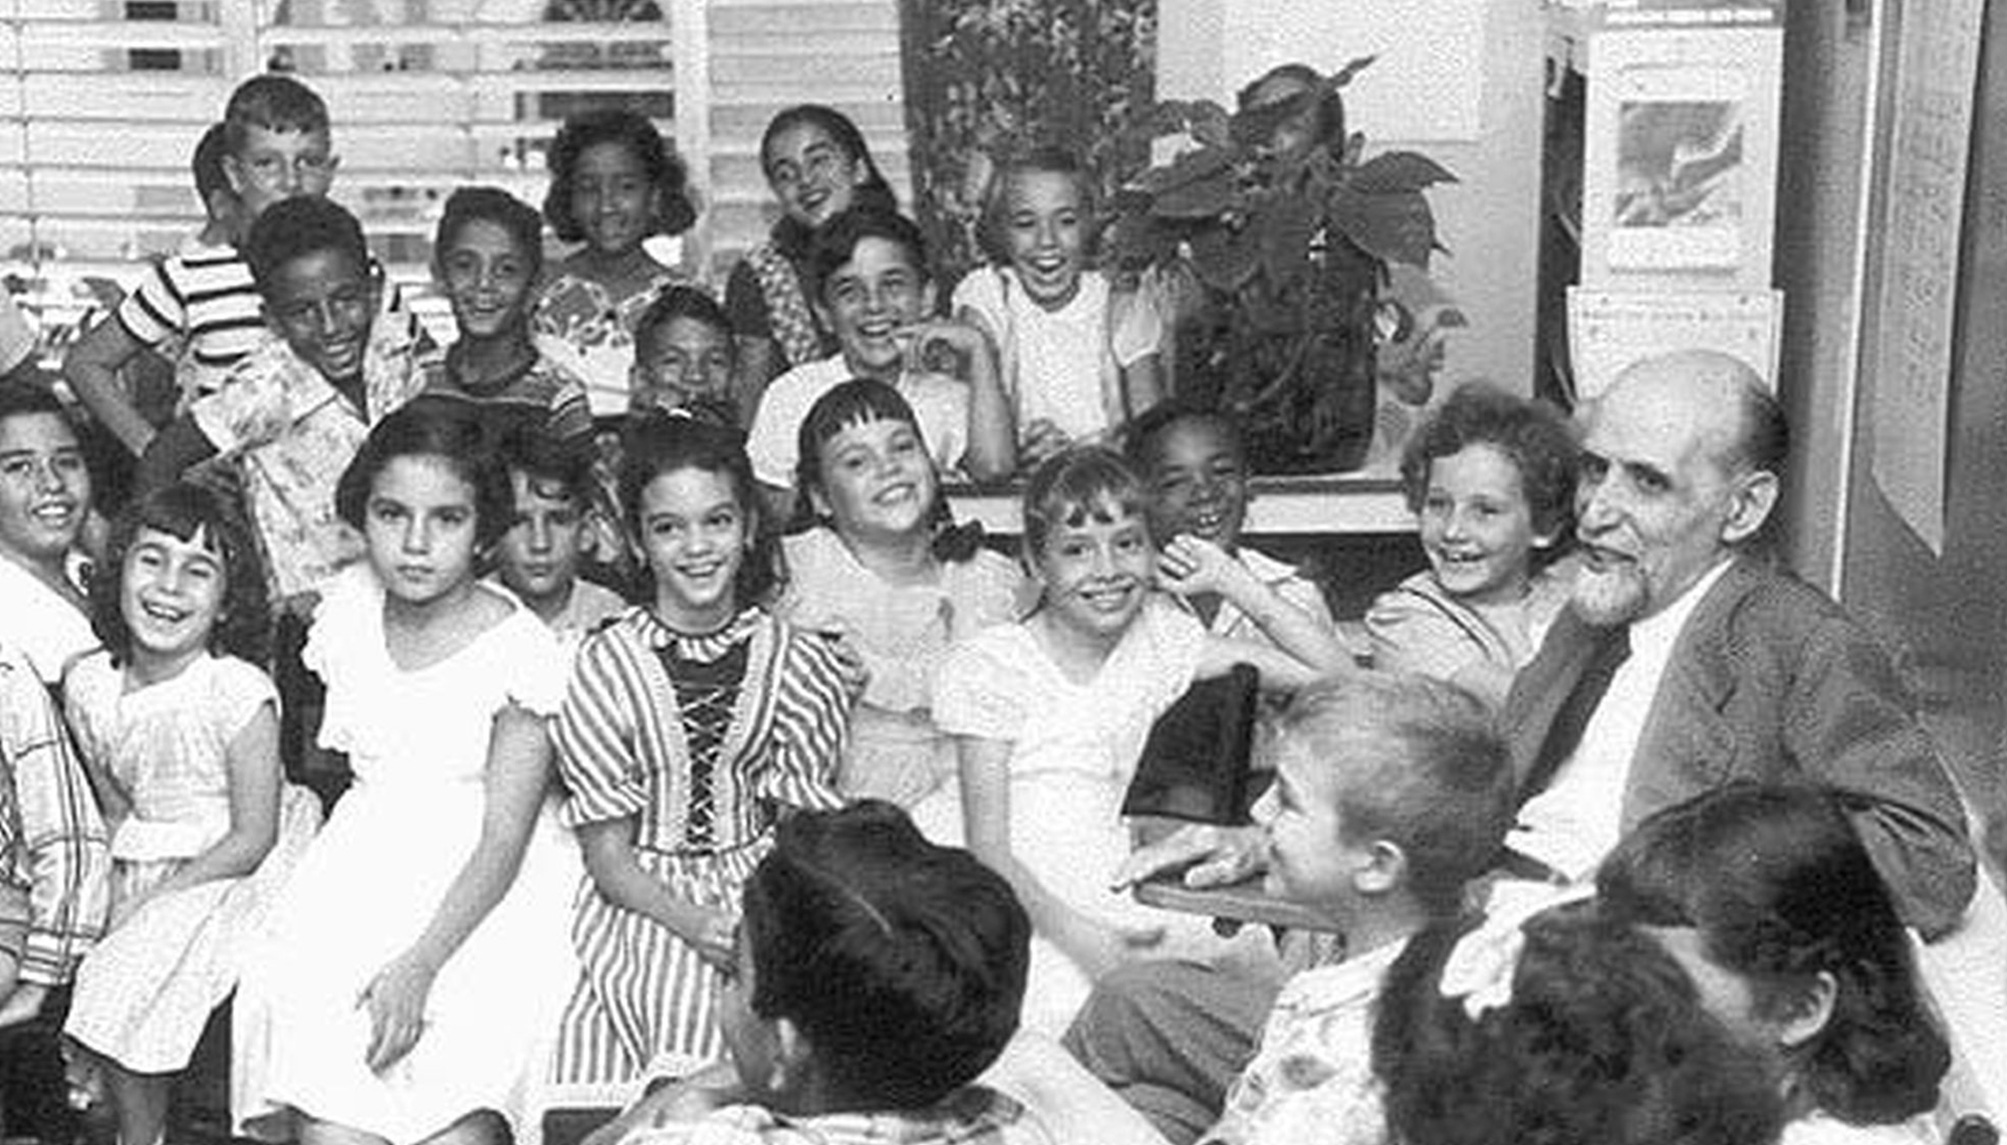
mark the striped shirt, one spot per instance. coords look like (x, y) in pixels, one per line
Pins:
(55, 857)
(203, 297)
(624, 749)
(542, 391)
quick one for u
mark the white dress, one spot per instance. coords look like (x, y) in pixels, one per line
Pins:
(145, 992)
(1074, 751)
(374, 878)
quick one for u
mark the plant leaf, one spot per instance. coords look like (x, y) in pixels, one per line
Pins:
(1394, 171)
(1344, 75)
(1210, 125)
(1284, 229)
(1225, 259)
(1188, 167)
(1200, 198)
(1396, 227)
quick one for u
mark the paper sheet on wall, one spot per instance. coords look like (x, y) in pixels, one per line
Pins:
(1426, 86)
(1609, 330)
(1936, 78)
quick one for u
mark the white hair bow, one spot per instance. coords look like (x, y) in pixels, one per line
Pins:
(1479, 969)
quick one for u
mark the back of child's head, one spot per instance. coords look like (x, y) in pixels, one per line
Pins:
(832, 247)
(437, 430)
(658, 442)
(297, 227)
(872, 193)
(1781, 890)
(1438, 786)
(902, 962)
(274, 102)
(491, 205)
(1592, 1035)
(1036, 158)
(674, 212)
(206, 164)
(1079, 484)
(1532, 434)
(183, 510)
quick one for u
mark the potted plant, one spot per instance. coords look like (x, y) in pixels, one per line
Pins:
(1283, 232)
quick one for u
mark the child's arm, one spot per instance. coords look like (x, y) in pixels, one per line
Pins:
(608, 847)
(92, 367)
(517, 774)
(170, 453)
(251, 761)
(1191, 565)
(1096, 946)
(992, 452)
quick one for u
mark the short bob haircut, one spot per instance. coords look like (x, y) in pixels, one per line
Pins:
(441, 430)
(297, 227)
(791, 236)
(902, 962)
(1033, 159)
(1074, 486)
(664, 441)
(1780, 889)
(1602, 1041)
(274, 102)
(183, 510)
(1533, 435)
(833, 245)
(674, 212)
(491, 205)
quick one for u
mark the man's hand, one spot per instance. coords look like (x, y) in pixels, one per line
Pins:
(1212, 856)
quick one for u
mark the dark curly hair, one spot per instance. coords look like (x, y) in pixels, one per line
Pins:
(1534, 435)
(183, 510)
(492, 205)
(1602, 1042)
(296, 227)
(436, 428)
(1781, 890)
(675, 213)
(903, 962)
(790, 236)
(835, 244)
(663, 441)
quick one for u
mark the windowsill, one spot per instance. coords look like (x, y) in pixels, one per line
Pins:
(1300, 505)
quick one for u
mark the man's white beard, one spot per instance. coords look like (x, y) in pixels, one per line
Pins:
(1606, 597)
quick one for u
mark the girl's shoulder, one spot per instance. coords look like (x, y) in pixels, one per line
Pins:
(989, 582)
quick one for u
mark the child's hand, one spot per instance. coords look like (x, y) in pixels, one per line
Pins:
(1040, 441)
(927, 339)
(712, 933)
(1192, 565)
(849, 658)
(396, 1002)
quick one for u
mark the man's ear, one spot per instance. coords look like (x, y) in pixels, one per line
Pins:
(1804, 1016)
(1384, 871)
(1749, 505)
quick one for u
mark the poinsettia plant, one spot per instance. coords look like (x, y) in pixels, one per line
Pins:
(1289, 235)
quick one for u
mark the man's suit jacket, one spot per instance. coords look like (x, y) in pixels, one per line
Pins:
(1771, 681)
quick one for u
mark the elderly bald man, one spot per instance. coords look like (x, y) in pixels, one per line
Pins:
(1685, 662)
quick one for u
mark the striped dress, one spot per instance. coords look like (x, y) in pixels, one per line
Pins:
(700, 740)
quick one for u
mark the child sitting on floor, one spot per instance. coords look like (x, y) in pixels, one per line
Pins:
(1491, 477)
(1391, 792)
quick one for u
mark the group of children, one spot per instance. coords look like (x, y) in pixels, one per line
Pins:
(640, 785)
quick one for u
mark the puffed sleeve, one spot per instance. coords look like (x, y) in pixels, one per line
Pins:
(811, 722)
(537, 666)
(1411, 632)
(976, 692)
(349, 615)
(1135, 326)
(595, 731)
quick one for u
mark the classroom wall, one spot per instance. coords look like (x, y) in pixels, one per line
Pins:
(1488, 220)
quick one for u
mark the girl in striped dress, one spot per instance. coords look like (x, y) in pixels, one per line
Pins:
(690, 726)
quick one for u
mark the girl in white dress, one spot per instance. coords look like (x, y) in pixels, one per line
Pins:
(1050, 714)
(883, 569)
(178, 730)
(418, 958)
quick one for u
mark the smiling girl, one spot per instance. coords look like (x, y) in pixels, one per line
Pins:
(691, 725)
(818, 166)
(614, 183)
(1490, 476)
(1050, 714)
(179, 733)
